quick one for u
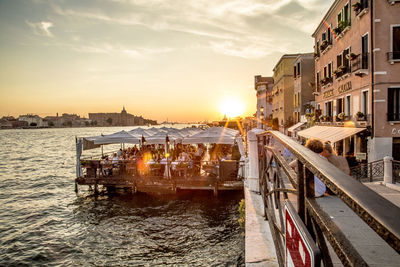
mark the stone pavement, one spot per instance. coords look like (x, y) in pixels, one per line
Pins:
(387, 191)
(260, 249)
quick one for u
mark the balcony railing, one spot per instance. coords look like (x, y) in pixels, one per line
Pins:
(360, 7)
(326, 81)
(360, 62)
(324, 45)
(342, 70)
(392, 56)
(393, 116)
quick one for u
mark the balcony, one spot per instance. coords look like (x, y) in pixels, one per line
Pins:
(359, 64)
(341, 29)
(365, 120)
(325, 46)
(361, 8)
(326, 81)
(393, 116)
(393, 57)
(392, 2)
(340, 73)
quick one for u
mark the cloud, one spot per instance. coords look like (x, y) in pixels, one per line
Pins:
(41, 28)
(240, 28)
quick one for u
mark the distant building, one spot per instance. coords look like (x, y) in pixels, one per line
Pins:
(263, 86)
(33, 120)
(119, 119)
(283, 92)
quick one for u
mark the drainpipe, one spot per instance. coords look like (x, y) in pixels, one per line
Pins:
(372, 72)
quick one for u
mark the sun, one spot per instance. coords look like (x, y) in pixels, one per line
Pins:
(231, 107)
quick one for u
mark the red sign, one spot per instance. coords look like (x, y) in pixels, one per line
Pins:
(300, 247)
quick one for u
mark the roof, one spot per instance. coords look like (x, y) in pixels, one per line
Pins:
(327, 15)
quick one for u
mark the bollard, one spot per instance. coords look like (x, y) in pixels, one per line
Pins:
(388, 170)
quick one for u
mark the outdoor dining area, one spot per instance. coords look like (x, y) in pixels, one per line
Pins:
(163, 156)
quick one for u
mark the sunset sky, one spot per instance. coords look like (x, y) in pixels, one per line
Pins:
(175, 59)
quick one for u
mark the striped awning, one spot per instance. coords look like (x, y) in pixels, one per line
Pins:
(329, 133)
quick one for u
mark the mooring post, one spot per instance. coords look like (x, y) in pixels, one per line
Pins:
(96, 188)
(216, 190)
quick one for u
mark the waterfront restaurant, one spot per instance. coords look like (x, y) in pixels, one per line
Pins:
(357, 67)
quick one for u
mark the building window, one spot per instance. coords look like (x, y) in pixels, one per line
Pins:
(365, 102)
(347, 105)
(318, 81)
(339, 106)
(298, 69)
(393, 104)
(364, 51)
(395, 44)
(328, 109)
(330, 70)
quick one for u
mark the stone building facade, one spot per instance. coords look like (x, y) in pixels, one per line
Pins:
(303, 98)
(357, 67)
(283, 92)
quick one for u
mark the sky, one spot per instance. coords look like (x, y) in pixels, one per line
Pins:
(162, 59)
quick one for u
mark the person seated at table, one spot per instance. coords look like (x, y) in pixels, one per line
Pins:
(115, 159)
(106, 171)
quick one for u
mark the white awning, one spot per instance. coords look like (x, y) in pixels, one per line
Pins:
(328, 133)
(294, 127)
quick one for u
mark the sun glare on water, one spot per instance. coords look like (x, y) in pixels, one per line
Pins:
(232, 107)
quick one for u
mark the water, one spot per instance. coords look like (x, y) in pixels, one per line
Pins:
(43, 222)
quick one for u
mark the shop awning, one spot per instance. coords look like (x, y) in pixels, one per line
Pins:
(296, 126)
(328, 133)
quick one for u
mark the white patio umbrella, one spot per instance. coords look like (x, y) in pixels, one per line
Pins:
(214, 135)
(117, 138)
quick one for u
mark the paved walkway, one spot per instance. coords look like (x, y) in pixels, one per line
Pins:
(260, 249)
(386, 191)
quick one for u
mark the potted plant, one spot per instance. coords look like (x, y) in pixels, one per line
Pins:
(356, 6)
(360, 115)
(351, 56)
(341, 115)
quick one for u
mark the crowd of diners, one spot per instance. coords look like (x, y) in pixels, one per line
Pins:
(152, 159)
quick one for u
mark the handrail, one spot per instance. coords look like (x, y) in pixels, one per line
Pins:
(380, 214)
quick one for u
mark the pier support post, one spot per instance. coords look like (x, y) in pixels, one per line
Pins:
(388, 170)
(216, 190)
(96, 188)
(76, 187)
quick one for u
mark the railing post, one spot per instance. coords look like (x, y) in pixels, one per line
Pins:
(388, 170)
(309, 191)
(300, 188)
(370, 171)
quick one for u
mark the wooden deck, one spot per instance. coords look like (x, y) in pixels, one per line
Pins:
(153, 184)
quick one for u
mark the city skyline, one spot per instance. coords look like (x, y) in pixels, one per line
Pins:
(159, 59)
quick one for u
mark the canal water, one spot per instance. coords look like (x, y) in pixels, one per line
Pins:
(43, 222)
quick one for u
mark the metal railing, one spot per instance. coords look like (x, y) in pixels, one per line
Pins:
(360, 62)
(396, 171)
(391, 56)
(368, 172)
(223, 170)
(377, 212)
(362, 6)
(393, 116)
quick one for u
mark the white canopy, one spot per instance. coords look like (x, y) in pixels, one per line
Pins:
(160, 138)
(213, 135)
(117, 138)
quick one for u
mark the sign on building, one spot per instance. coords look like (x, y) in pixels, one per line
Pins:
(301, 249)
